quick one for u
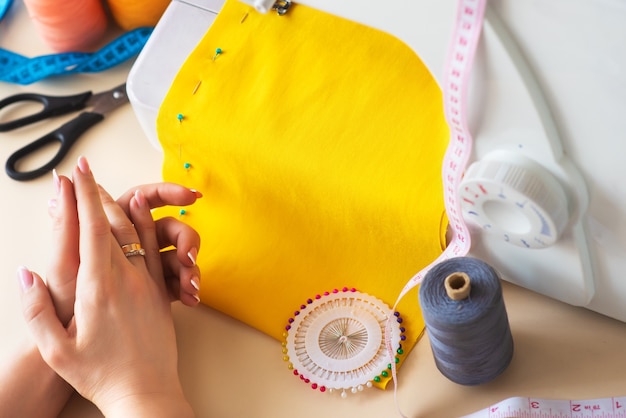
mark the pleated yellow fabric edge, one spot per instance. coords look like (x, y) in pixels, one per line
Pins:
(317, 143)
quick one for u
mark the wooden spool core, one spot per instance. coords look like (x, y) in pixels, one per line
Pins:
(457, 286)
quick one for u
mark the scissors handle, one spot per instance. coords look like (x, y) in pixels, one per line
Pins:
(52, 106)
(67, 135)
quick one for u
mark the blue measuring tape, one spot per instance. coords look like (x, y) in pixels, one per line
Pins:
(4, 7)
(18, 69)
(15, 68)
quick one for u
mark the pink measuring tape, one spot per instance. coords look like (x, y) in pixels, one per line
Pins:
(549, 408)
(455, 86)
(463, 44)
(469, 22)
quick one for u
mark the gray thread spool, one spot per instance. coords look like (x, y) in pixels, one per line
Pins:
(466, 321)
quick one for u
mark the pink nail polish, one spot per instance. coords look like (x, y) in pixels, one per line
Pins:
(194, 283)
(83, 165)
(193, 254)
(197, 193)
(52, 203)
(25, 278)
(140, 198)
(56, 181)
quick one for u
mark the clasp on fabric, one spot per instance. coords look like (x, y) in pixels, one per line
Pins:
(264, 6)
(281, 6)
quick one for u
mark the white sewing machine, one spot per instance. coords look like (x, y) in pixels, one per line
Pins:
(548, 108)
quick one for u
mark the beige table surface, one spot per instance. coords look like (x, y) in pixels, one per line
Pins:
(230, 370)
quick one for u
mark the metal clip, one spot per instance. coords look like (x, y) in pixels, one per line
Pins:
(264, 6)
(281, 6)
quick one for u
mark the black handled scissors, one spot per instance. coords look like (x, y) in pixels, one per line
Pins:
(67, 134)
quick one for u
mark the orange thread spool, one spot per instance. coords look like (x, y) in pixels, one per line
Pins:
(68, 25)
(132, 14)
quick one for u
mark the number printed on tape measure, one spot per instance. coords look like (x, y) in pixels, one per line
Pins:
(550, 408)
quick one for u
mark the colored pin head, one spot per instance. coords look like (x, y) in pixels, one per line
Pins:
(218, 51)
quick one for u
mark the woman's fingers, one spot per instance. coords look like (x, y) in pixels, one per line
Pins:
(172, 232)
(123, 229)
(161, 194)
(178, 266)
(180, 262)
(183, 282)
(146, 230)
(95, 230)
(63, 268)
(41, 319)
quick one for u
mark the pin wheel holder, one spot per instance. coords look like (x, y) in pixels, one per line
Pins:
(336, 341)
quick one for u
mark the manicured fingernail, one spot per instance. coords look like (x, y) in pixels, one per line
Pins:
(197, 298)
(52, 203)
(194, 283)
(140, 198)
(197, 193)
(83, 165)
(56, 181)
(193, 255)
(25, 278)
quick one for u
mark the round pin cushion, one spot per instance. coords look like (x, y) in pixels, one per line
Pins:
(337, 341)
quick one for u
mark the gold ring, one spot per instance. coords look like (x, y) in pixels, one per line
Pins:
(133, 249)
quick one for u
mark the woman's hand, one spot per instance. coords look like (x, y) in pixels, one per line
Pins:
(179, 271)
(179, 243)
(119, 349)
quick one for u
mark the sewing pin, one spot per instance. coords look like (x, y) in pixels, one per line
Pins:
(217, 52)
(181, 212)
(195, 89)
(187, 166)
(180, 117)
(244, 17)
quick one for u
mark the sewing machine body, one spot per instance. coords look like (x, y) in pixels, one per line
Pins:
(547, 100)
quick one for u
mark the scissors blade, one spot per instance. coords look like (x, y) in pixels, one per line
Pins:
(106, 101)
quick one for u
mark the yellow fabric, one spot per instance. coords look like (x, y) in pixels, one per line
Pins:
(317, 143)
